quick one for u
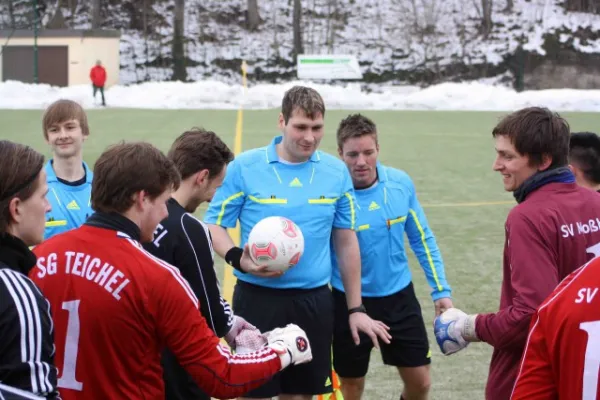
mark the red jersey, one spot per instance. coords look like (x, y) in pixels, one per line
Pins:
(562, 354)
(115, 307)
(553, 232)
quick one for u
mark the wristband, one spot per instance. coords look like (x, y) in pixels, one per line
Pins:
(360, 308)
(233, 257)
(468, 330)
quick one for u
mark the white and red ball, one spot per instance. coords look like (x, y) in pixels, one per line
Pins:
(276, 242)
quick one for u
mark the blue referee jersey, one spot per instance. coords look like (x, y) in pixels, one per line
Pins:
(385, 212)
(317, 195)
(71, 205)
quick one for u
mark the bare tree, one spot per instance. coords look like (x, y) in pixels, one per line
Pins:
(11, 14)
(485, 13)
(252, 17)
(509, 6)
(96, 18)
(297, 27)
(330, 25)
(72, 4)
(275, 28)
(178, 49)
(146, 49)
(486, 22)
(426, 22)
(57, 21)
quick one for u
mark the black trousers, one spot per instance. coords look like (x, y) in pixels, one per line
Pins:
(101, 89)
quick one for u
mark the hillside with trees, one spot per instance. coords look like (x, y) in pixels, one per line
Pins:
(530, 44)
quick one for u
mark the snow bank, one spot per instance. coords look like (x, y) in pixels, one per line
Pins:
(218, 95)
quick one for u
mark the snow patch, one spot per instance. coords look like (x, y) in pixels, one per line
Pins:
(218, 95)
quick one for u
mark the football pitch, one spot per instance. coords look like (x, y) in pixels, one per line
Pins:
(449, 155)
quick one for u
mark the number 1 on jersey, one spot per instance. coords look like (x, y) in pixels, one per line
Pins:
(68, 380)
(591, 365)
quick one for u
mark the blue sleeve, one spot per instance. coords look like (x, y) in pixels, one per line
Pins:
(423, 243)
(226, 205)
(345, 210)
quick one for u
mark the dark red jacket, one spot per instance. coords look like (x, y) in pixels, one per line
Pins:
(548, 236)
(98, 75)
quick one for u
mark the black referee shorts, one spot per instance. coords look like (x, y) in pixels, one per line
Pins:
(400, 311)
(311, 310)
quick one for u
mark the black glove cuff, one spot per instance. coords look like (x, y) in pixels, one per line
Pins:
(233, 258)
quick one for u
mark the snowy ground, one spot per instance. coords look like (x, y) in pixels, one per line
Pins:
(218, 95)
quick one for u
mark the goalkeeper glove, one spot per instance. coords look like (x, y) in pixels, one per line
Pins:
(454, 329)
(249, 341)
(239, 325)
(291, 343)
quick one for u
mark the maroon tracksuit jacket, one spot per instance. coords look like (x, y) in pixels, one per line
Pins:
(549, 235)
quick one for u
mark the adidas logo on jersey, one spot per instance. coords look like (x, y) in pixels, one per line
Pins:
(73, 205)
(295, 183)
(373, 206)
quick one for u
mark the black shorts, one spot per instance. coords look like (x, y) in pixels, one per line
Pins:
(311, 310)
(400, 311)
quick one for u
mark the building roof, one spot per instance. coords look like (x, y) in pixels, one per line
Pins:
(60, 33)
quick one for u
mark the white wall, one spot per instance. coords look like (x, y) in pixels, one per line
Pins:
(83, 53)
(104, 49)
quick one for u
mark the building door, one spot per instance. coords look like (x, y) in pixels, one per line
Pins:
(53, 64)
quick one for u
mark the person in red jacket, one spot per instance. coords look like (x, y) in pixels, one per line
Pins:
(115, 307)
(562, 354)
(98, 77)
(553, 230)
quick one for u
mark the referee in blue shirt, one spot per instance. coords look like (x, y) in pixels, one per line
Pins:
(291, 178)
(387, 208)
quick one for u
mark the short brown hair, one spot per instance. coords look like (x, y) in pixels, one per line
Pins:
(20, 167)
(128, 168)
(584, 153)
(355, 125)
(535, 132)
(199, 149)
(305, 99)
(65, 110)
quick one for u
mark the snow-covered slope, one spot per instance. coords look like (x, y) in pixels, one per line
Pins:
(395, 40)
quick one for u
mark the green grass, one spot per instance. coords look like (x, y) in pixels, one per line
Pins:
(449, 156)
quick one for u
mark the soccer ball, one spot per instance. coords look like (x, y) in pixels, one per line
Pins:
(276, 242)
(444, 328)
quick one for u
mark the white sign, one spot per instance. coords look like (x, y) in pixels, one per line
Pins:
(328, 66)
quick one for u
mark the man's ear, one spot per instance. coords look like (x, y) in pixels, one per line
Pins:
(139, 198)
(281, 123)
(546, 162)
(202, 176)
(577, 172)
(340, 152)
